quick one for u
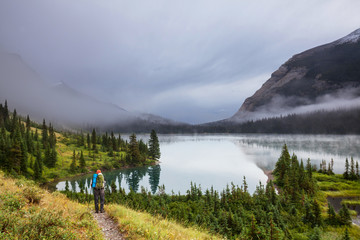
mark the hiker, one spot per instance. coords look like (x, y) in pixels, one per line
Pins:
(98, 184)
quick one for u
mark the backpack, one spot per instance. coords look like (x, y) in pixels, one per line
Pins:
(100, 182)
(93, 184)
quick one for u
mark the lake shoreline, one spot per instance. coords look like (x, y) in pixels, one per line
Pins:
(69, 178)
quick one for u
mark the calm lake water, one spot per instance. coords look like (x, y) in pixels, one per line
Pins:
(218, 160)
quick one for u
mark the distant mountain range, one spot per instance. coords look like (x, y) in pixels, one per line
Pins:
(324, 77)
(64, 106)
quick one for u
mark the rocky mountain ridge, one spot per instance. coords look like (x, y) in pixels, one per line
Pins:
(307, 79)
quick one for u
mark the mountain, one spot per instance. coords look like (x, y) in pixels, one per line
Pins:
(64, 106)
(324, 77)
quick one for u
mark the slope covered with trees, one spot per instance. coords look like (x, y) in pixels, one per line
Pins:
(297, 210)
(40, 152)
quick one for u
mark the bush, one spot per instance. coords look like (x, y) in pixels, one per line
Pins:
(32, 194)
(11, 202)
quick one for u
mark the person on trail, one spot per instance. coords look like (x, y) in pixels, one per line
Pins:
(98, 184)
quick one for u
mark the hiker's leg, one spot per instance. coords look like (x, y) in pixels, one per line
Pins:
(96, 199)
(102, 200)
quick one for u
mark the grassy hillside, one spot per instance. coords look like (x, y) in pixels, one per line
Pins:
(29, 212)
(335, 186)
(140, 225)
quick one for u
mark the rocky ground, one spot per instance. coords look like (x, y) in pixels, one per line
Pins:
(108, 226)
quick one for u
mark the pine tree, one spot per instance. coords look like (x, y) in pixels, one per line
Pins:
(154, 146)
(38, 164)
(113, 187)
(52, 157)
(352, 169)
(332, 220)
(66, 185)
(16, 152)
(282, 166)
(93, 140)
(346, 173)
(346, 235)
(44, 134)
(134, 150)
(36, 136)
(82, 161)
(309, 168)
(357, 170)
(37, 174)
(6, 116)
(24, 159)
(317, 214)
(88, 141)
(344, 215)
(73, 163)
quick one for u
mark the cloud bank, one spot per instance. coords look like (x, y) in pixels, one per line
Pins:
(193, 61)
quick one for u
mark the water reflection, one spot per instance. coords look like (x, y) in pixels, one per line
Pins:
(132, 178)
(218, 160)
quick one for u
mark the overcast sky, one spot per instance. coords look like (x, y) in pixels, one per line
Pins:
(192, 61)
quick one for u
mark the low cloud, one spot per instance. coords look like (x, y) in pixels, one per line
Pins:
(281, 106)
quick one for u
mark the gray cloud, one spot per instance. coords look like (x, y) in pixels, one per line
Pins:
(347, 98)
(195, 61)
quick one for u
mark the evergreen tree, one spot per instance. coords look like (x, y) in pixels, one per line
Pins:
(37, 172)
(24, 159)
(6, 116)
(38, 164)
(346, 235)
(357, 170)
(344, 215)
(352, 169)
(82, 161)
(113, 187)
(14, 123)
(315, 235)
(346, 173)
(93, 140)
(88, 141)
(282, 166)
(332, 220)
(67, 186)
(44, 134)
(134, 150)
(36, 136)
(16, 153)
(309, 168)
(73, 163)
(154, 146)
(52, 157)
(317, 214)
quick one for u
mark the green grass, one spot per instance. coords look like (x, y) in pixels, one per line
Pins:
(351, 201)
(65, 147)
(337, 186)
(139, 225)
(29, 212)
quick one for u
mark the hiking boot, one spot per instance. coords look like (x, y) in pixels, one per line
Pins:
(96, 211)
(102, 211)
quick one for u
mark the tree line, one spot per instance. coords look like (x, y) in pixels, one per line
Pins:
(27, 148)
(292, 212)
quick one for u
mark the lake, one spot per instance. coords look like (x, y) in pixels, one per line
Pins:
(218, 160)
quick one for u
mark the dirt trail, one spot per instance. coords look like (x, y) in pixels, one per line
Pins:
(108, 226)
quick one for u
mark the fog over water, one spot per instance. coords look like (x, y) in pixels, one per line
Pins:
(218, 160)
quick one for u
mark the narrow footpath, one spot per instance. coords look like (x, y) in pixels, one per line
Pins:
(108, 226)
